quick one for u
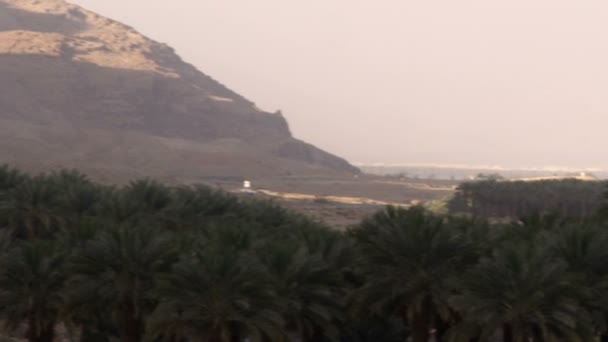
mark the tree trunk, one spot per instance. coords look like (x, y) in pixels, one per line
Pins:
(37, 332)
(214, 335)
(90, 334)
(84, 333)
(507, 333)
(441, 327)
(47, 334)
(132, 326)
(314, 337)
(419, 328)
(420, 323)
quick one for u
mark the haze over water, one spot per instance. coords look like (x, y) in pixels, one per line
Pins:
(513, 83)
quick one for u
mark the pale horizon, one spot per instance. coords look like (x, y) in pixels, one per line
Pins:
(474, 82)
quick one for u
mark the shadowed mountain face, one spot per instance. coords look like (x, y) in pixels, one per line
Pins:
(80, 90)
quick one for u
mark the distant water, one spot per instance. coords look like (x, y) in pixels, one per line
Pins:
(447, 172)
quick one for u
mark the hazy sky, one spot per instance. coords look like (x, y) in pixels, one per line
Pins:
(508, 82)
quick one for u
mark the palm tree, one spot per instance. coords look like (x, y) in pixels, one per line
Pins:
(78, 198)
(583, 248)
(217, 295)
(140, 202)
(151, 197)
(31, 208)
(373, 329)
(310, 287)
(406, 256)
(117, 270)
(522, 292)
(117, 207)
(31, 285)
(270, 216)
(197, 206)
(10, 178)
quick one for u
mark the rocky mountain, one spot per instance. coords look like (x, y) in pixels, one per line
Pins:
(80, 90)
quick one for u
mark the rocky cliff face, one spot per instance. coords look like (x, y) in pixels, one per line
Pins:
(81, 90)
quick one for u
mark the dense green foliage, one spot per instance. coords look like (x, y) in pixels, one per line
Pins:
(499, 199)
(147, 262)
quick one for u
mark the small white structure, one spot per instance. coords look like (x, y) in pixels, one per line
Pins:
(246, 189)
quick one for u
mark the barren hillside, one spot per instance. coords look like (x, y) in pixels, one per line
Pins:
(81, 90)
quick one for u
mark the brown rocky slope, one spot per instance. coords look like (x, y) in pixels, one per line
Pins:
(80, 90)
